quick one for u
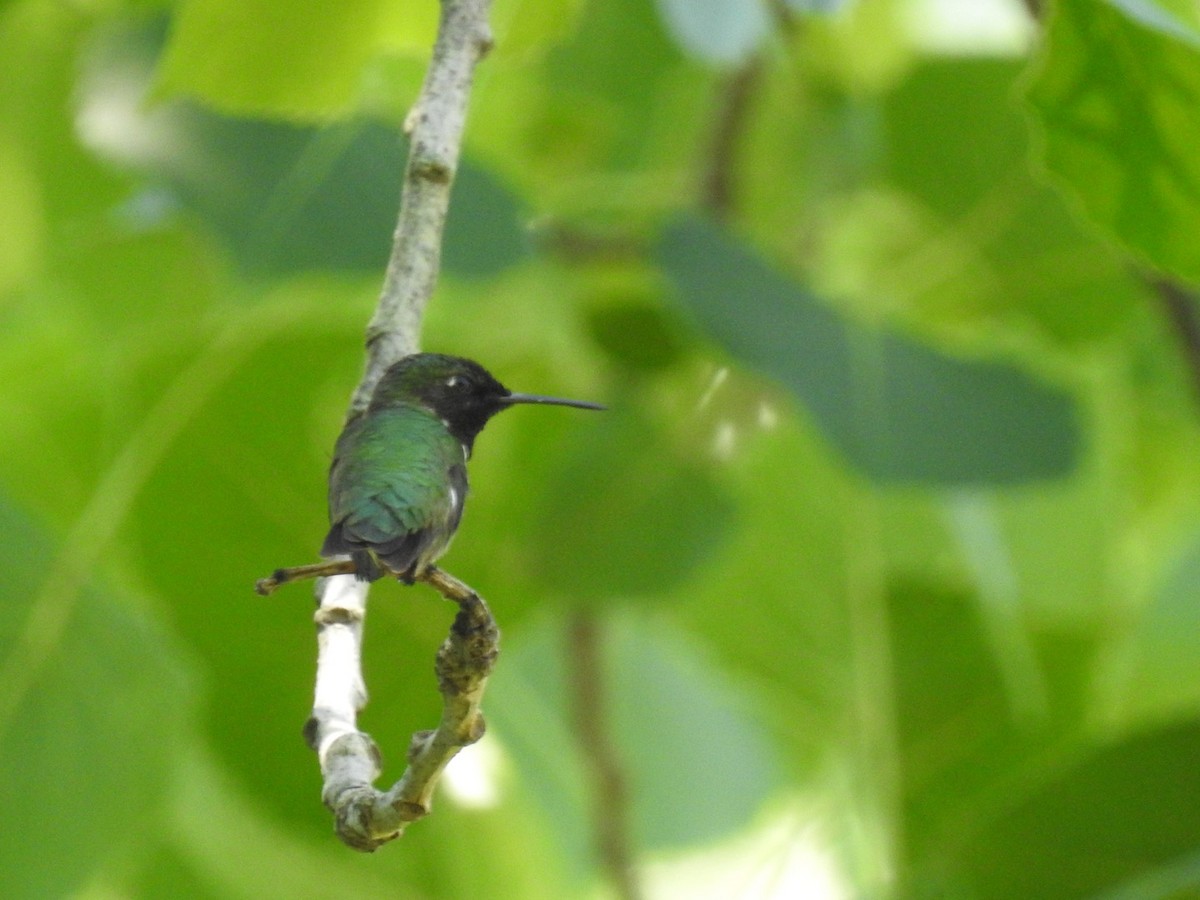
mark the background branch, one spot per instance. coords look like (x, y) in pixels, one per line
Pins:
(1182, 314)
(610, 795)
(718, 191)
(364, 816)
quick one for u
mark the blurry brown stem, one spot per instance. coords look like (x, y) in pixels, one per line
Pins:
(1179, 306)
(718, 189)
(610, 809)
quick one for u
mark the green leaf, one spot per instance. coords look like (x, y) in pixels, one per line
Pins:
(292, 198)
(21, 211)
(639, 337)
(1168, 16)
(1123, 814)
(984, 248)
(625, 487)
(819, 7)
(302, 61)
(524, 26)
(93, 700)
(1115, 100)
(898, 409)
(680, 722)
(1164, 647)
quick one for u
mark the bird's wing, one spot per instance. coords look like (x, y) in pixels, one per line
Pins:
(396, 487)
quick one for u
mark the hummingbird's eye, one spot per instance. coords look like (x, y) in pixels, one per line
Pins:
(456, 381)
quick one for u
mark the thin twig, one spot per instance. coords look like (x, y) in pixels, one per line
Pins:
(280, 577)
(610, 811)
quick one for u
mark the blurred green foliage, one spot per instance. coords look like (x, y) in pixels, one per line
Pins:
(892, 530)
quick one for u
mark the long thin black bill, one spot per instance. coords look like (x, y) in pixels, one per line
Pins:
(551, 401)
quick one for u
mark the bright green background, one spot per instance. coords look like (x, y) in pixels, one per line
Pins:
(892, 529)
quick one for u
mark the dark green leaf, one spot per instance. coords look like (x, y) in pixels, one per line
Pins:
(288, 197)
(1124, 814)
(613, 498)
(292, 199)
(100, 699)
(898, 409)
(639, 337)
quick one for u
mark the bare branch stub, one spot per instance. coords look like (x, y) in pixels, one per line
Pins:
(280, 577)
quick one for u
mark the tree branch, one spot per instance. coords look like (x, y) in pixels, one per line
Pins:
(365, 817)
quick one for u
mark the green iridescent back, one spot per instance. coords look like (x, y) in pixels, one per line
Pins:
(396, 489)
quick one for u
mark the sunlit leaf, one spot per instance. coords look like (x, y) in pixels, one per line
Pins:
(524, 26)
(293, 61)
(990, 243)
(1115, 100)
(20, 209)
(1163, 648)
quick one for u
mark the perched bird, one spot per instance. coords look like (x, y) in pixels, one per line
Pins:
(399, 474)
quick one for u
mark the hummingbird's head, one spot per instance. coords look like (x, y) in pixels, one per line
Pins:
(460, 392)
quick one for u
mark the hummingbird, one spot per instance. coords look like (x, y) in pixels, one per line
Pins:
(399, 476)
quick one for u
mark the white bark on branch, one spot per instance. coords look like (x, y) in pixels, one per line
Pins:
(366, 817)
